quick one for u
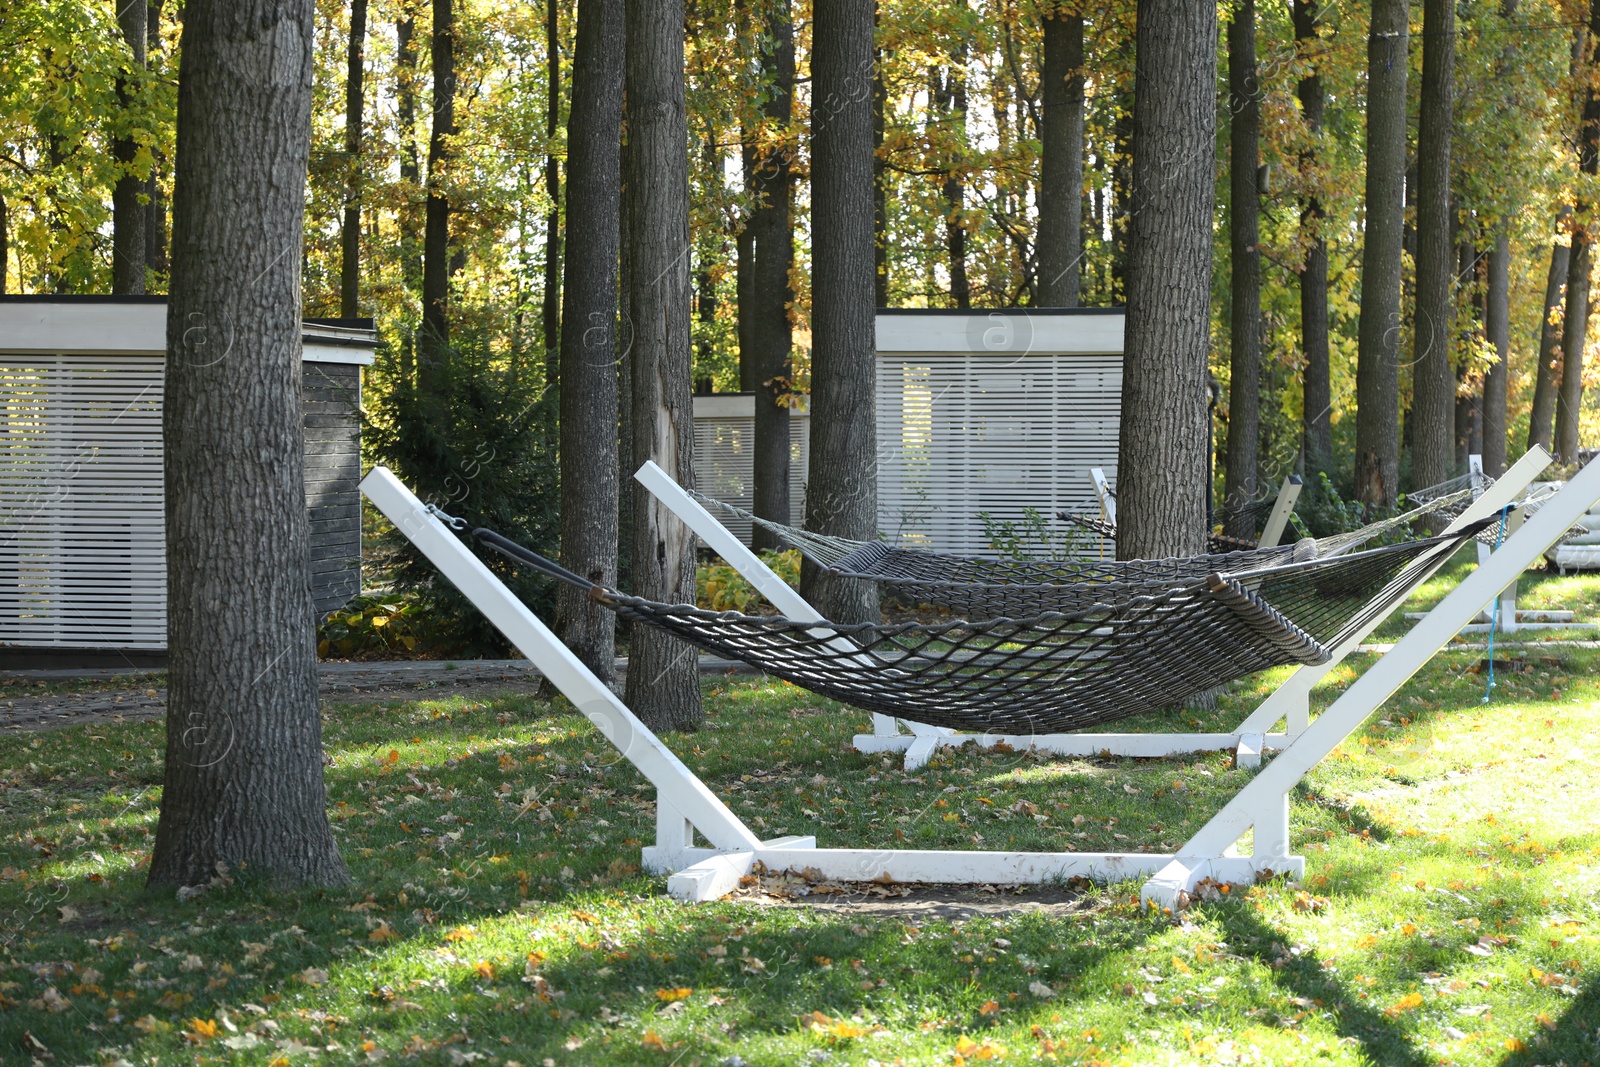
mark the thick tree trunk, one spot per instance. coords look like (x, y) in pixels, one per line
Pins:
(408, 215)
(354, 104)
(588, 375)
(1318, 389)
(663, 674)
(1244, 304)
(437, 265)
(1378, 359)
(1433, 383)
(1547, 373)
(128, 223)
(1163, 465)
(947, 107)
(771, 236)
(155, 217)
(551, 312)
(1060, 251)
(1497, 329)
(243, 783)
(842, 494)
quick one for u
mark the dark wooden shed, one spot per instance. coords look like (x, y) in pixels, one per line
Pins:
(82, 549)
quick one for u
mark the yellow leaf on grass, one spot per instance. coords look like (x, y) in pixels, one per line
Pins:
(1405, 1003)
(384, 932)
(587, 917)
(667, 996)
(989, 1007)
(1408, 928)
(461, 933)
(1180, 966)
(394, 756)
(1514, 1045)
(203, 1028)
(969, 1049)
(485, 969)
(653, 1040)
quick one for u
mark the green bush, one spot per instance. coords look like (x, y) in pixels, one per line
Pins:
(718, 587)
(385, 624)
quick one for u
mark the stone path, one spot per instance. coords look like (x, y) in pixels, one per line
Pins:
(124, 696)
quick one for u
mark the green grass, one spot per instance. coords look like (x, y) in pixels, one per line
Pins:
(1449, 911)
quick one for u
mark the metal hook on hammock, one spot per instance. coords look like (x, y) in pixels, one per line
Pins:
(451, 521)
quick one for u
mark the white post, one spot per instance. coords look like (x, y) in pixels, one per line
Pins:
(1257, 801)
(1278, 520)
(1102, 489)
(677, 787)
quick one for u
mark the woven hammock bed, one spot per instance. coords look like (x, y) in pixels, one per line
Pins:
(1118, 638)
(1253, 510)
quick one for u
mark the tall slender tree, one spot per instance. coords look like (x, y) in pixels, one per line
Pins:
(1060, 250)
(1497, 330)
(880, 182)
(663, 673)
(1378, 359)
(1244, 293)
(437, 258)
(243, 784)
(842, 493)
(1433, 383)
(1545, 383)
(550, 315)
(1318, 395)
(588, 375)
(128, 223)
(765, 370)
(1575, 321)
(354, 105)
(155, 219)
(1164, 451)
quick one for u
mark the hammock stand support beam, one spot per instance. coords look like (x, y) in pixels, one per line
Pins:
(1289, 704)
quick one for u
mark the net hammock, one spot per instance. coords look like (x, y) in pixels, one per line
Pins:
(1130, 646)
(986, 588)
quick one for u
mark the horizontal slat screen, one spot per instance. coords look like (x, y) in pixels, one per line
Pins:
(964, 434)
(82, 531)
(82, 551)
(724, 463)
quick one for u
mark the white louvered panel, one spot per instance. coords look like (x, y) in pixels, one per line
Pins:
(961, 434)
(724, 443)
(82, 551)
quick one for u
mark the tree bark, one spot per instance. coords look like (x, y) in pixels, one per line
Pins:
(1497, 329)
(1060, 251)
(1378, 359)
(663, 674)
(880, 181)
(155, 218)
(437, 265)
(551, 312)
(771, 236)
(243, 784)
(1244, 303)
(952, 105)
(354, 104)
(5, 247)
(1547, 373)
(1433, 383)
(588, 373)
(1575, 322)
(1163, 458)
(1318, 389)
(1122, 182)
(842, 493)
(128, 223)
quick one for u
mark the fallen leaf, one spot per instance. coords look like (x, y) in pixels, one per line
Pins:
(1039, 989)
(313, 976)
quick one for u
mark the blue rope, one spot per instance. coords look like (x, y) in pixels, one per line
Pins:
(1494, 613)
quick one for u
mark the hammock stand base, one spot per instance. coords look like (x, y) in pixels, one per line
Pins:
(1289, 705)
(686, 807)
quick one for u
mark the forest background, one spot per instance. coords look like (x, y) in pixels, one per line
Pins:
(87, 103)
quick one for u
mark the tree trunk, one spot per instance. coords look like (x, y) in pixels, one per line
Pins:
(1467, 416)
(771, 235)
(1318, 395)
(1163, 458)
(354, 102)
(5, 247)
(663, 672)
(1244, 304)
(408, 221)
(243, 783)
(589, 475)
(155, 218)
(437, 265)
(1497, 329)
(1433, 383)
(1547, 373)
(551, 312)
(842, 494)
(1060, 251)
(1575, 329)
(1121, 194)
(954, 191)
(880, 180)
(1378, 359)
(127, 214)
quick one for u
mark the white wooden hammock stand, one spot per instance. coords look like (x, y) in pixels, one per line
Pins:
(1289, 704)
(685, 806)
